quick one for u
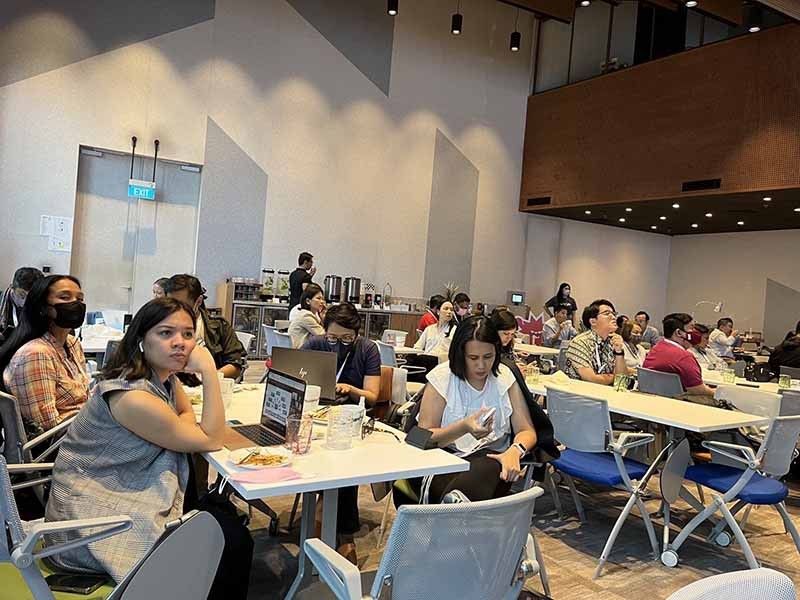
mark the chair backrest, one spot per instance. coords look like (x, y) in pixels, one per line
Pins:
(792, 372)
(469, 551)
(9, 515)
(580, 423)
(180, 566)
(753, 584)
(269, 338)
(562, 359)
(281, 324)
(111, 347)
(388, 356)
(13, 430)
(246, 339)
(790, 403)
(739, 368)
(283, 340)
(779, 445)
(660, 384)
(749, 400)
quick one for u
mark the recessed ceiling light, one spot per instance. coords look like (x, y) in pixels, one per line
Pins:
(740, 222)
(709, 215)
(767, 198)
(663, 218)
(622, 219)
(653, 227)
(797, 210)
(695, 225)
(628, 209)
(754, 29)
(691, 3)
(676, 205)
(585, 2)
(587, 212)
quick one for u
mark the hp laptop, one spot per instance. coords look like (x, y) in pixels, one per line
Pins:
(313, 367)
(283, 398)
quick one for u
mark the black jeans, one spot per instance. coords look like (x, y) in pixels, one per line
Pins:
(233, 574)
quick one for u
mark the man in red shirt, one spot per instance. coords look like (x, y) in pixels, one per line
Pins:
(671, 355)
(431, 317)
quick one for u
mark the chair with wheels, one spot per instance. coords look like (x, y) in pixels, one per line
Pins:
(181, 564)
(469, 550)
(755, 584)
(755, 482)
(660, 384)
(583, 425)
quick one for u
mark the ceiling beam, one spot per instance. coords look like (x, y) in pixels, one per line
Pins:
(560, 10)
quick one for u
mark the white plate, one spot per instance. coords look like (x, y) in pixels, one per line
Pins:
(237, 455)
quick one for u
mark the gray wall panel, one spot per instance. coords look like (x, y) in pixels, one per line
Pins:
(359, 29)
(451, 222)
(781, 311)
(77, 30)
(233, 203)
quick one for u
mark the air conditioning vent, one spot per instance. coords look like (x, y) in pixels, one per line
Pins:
(543, 201)
(701, 184)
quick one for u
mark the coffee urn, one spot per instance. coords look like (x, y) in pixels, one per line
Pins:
(352, 289)
(333, 288)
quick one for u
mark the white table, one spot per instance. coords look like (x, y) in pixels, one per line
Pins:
(715, 378)
(379, 458)
(97, 345)
(677, 414)
(535, 350)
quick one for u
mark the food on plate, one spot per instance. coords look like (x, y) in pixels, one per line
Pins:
(256, 459)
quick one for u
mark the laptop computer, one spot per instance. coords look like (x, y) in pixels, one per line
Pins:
(313, 367)
(283, 397)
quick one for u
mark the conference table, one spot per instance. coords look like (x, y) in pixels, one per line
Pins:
(378, 458)
(715, 378)
(670, 412)
(535, 350)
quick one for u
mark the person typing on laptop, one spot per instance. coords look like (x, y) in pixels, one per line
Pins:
(358, 373)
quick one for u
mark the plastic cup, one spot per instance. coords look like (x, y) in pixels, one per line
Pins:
(298, 434)
(621, 382)
(311, 402)
(729, 376)
(784, 382)
(226, 390)
(340, 429)
(531, 375)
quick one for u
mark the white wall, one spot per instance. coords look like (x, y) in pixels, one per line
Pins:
(626, 267)
(349, 168)
(733, 268)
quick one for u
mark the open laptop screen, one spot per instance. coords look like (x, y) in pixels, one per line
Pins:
(283, 397)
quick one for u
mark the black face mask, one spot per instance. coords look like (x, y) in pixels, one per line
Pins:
(69, 315)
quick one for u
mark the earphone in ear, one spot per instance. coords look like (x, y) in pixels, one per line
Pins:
(141, 347)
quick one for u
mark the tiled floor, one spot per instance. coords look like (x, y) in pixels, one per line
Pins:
(570, 548)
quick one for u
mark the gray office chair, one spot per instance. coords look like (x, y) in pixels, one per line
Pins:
(739, 367)
(471, 550)
(755, 584)
(660, 384)
(181, 564)
(792, 372)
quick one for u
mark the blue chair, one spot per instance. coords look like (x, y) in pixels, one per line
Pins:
(583, 425)
(756, 483)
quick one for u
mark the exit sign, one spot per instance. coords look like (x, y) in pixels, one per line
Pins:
(146, 190)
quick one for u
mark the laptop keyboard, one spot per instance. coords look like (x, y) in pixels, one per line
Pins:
(259, 435)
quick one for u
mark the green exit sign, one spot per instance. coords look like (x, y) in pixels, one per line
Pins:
(146, 190)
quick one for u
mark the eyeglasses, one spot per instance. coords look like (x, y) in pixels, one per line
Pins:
(347, 338)
(368, 428)
(608, 313)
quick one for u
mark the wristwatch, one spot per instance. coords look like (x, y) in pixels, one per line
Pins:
(620, 353)
(522, 449)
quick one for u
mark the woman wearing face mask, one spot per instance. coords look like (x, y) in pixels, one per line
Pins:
(358, 374)
(634, 352)
(43, 365)
(436, 338)
(13, 299)
(563, 298)
(126, 451)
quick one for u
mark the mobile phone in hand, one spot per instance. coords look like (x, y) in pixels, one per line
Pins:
(487, 415)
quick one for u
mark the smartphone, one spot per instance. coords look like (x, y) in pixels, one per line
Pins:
(488, 415)
(234, 422)
(75, 583)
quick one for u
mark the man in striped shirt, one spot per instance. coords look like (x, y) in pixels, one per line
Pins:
(597, 354)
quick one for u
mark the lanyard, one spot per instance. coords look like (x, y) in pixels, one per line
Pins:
(346, 358)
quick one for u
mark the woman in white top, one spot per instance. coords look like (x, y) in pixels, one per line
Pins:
(474, 407)
(436, 338)
(308, 318)
(631, 334)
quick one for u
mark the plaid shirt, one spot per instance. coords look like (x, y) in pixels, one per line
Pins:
(48, 380)
(589, 350)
